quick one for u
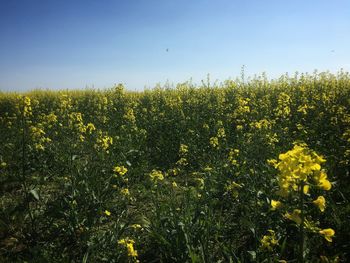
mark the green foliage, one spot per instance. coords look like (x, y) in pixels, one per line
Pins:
(173, 175)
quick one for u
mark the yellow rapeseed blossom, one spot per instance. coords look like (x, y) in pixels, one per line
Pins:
(272, 162)
(103, 141)
(36, 132)
(242, 107)
(125, 192)
(269, 241)
(295, 216)
(298, 166)
(275, 204)
(306, 189)
(221, 133)
(130, 116)
(129, 245)
(182, 161)
(261, 124)
(90, 128)
(214, 142)
(183, 149)
(320, 202)
(39, 140)
(232, 156)
(232, 187)
(27, 108)
(120, 170)
(107, 213)
(156, 175)
(239, 127)
(51, 118)
(320, 177)
(173, 172)
(106, 142)
(327, 233)
(283, 108)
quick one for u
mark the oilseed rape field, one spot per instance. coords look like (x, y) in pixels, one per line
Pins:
(242, 171)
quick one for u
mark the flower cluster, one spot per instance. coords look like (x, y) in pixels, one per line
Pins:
(103, 141)
(300, 166)
(38, 136)
(27, 108)
(232, 188)
(269, 241)
(232, 156)
(129, 245)
(299, 169)
(156, 175)
(120, 170)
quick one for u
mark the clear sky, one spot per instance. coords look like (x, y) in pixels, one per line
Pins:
(61, 44)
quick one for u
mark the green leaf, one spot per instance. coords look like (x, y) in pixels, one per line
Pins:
(35, 194)
(252, 255)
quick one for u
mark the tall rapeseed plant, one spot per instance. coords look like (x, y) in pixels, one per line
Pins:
(300, 170)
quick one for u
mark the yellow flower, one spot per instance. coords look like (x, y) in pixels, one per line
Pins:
(121, 170)
(269, 241)
(183, 148)
(320, 202)
(272, 162)
(321, 179)
(90, 128)
(131, 251)
(129, 245)
(328, 233)
(221, 133)
(325, 185)
(232, 188)
(214, 142)
(103, 141)
(107, 213)
(182, 161)
(27, 108)
(295, 216)
(232, 156)
(296, 167)
(306, 189)
(125, 192)
(275, 204)
(122, 241)
(174, 184)
(156, 175)
(107, 141)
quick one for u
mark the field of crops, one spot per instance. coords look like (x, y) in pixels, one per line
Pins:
(254, 171)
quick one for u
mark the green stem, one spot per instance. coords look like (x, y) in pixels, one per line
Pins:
(23, 172)
(301, 227)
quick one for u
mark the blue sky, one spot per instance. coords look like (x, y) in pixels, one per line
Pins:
(77, 44)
